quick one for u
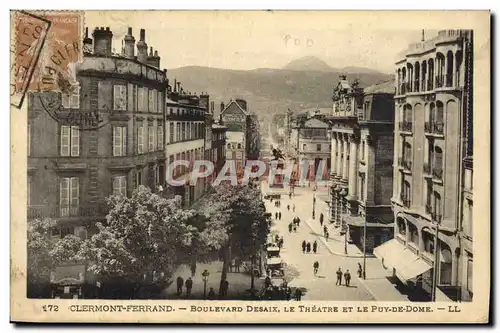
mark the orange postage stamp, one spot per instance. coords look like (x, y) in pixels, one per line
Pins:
(46, 45)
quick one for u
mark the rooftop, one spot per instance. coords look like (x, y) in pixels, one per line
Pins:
(387, 87)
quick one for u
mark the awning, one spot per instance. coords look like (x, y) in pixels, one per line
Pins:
(393, 254)
(412, 269)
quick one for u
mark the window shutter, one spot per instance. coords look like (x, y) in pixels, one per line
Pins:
(75, 192)
(134, 178)
(116, 185)
(64, 196)
(124, 141)
(75, 141)
(116, 141)
(65, 140)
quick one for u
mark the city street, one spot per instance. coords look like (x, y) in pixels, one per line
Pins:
(330, 253)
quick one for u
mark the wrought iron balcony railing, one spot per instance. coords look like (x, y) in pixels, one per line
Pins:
(437, 172)
(436, 217)
(405, 200)
(405, 126)
(66, 211)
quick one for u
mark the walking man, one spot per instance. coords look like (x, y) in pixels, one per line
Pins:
(288, 207)
(279, 216)
(360, 270)
(321, 217)
(327, 235)
(315, 247)
(308, 246)
(189, 286)
(298, 221)
(290, 195)
(347, 277)
(304, 246)
(339, 277)
(180, 283)
(325, 230)
(276, 215)
(290, 226)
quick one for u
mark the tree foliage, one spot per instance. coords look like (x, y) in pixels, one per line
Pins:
(140, 238)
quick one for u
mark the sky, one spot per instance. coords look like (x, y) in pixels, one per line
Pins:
(249, 40)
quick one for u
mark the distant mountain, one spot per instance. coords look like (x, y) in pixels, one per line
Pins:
(269, 91)
(308, 63)
(359, 70)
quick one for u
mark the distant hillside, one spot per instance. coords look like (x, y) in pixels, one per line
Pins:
(268, 91)
(308, 64)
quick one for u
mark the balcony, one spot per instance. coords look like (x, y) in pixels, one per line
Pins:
(405, 126)
(69, 211)
(404, 164)
(405, 200)
(427, 170)
(434, 128)
(437, 173)
(416, 85)
(430, 85)
(402, 89)
(428, 127)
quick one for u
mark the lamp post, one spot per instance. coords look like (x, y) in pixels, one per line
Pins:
(205, 276)
(364, 250)
(436, 220)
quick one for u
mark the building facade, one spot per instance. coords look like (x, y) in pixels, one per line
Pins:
(311, 146)
(432, 197)
(362, 150)
(104, 136)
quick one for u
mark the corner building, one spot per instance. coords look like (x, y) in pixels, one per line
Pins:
(73, 165)
(432, 158)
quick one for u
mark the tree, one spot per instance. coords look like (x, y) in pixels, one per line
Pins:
(140, 240)
(45, 253)
(237, 220)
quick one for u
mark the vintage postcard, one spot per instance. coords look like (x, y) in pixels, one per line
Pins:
(250, 167)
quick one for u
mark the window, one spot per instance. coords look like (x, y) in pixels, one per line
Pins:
(160, 102)
(228, 146)
(65, 231)
(178, 132)
(120, 185)
(138, 178)
(470, 273)
(304, 147)
(362, 151)
(141, 98)
(437, 204)
(70, 141)
(239, 145)
(160, 137)
(120, 97)
(30, 180)
(69, 196)
(140, 140)
(188, 131)
(119, 141)
(171, 129)
(151, 136)
(401, 226)
(72, 100)
(362, 186)
(413, 233)
(184, 134)
(438, 159)
(151, 101)
(318, 147)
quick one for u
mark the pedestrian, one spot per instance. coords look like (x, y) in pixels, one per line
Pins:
(293, 208)
(290, 195)
(360, 270)
(325, 230)
(298, 221)
(327, 234)
(180, 284)
(298, 294)
(308, 247)
(315, 267)
(225, 288)
(276, 215)
(304, 244)
(347, 278)
(288, 207)
(211, 294)
(267, 281)
(290, 226)
(339, 277)
(315, 247)
(276, 239)
(294, 228)
(193, 268)
(321, 217)
(189, 286)
(279, 216)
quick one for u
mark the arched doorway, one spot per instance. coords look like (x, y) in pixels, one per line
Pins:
(445, 265)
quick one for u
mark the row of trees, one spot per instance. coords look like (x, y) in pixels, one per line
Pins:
(145, 237)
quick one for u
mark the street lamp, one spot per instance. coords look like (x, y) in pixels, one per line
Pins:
(205, 276)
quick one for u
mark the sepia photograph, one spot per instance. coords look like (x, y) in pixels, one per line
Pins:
(196, 158)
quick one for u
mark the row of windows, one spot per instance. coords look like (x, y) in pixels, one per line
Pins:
(125, 97)
(434, 118)
(182, 111)
(190, 155)
(70, 140)
(184, 130)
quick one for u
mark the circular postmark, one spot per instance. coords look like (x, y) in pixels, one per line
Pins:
(86, 120)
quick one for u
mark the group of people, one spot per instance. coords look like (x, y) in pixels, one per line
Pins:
(306, 247)
(277, 215)
(282, 292)
(347, 277)
(235, 265)
(188, 284)
(294, 224)
(277, 203)
(288, 207)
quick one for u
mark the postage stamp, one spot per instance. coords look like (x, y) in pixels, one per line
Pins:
(46, 47)
(250, 167)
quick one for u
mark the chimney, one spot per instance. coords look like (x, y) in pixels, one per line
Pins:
(175, 85)
(102, 41)
(129, 41)
(87, 43)
(221, 106)
(142, 48)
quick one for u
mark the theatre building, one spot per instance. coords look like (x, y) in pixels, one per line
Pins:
(362, 151)
(432, 189)
(103, 136)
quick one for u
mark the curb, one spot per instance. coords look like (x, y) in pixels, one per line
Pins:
(322, 239)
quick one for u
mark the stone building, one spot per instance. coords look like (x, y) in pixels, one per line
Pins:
(432, 189)
(362, 151)
(102, 136)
